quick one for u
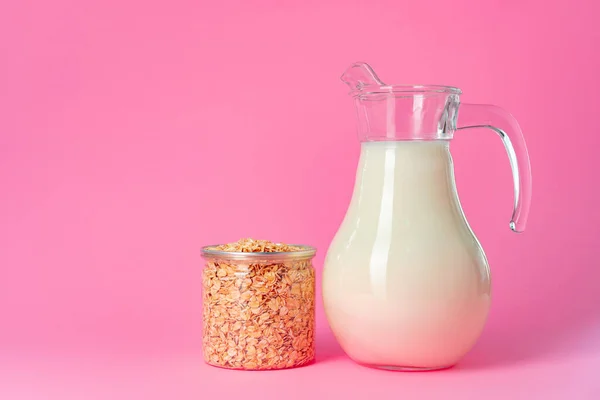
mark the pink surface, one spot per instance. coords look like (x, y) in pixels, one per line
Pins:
(133, 132)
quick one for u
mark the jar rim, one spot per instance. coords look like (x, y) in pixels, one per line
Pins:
(304, 252)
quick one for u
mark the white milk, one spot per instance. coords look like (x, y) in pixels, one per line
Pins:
(406, 283)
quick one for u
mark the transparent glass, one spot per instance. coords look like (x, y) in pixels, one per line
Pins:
(406, 284)
(430, 112)
(258, 309)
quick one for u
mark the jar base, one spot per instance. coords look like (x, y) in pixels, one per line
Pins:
(258, 368)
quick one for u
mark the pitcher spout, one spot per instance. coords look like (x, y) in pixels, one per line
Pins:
(360, 75)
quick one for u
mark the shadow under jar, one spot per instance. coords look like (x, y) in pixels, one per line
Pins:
(258, 308)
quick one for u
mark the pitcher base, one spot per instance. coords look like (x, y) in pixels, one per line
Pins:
(407, 368)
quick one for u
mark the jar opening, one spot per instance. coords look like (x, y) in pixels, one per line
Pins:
(304, 252)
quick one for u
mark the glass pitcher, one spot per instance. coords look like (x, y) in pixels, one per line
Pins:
(406, 284)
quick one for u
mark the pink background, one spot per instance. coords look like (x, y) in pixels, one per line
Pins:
(133, 132)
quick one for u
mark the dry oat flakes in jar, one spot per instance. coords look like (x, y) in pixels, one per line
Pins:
(258, 305)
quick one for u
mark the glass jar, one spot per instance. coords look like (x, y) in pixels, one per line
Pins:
(258, 308)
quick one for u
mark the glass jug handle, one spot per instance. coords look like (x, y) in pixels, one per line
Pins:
(506, 126)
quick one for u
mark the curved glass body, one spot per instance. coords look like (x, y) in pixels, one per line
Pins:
(406, 284)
